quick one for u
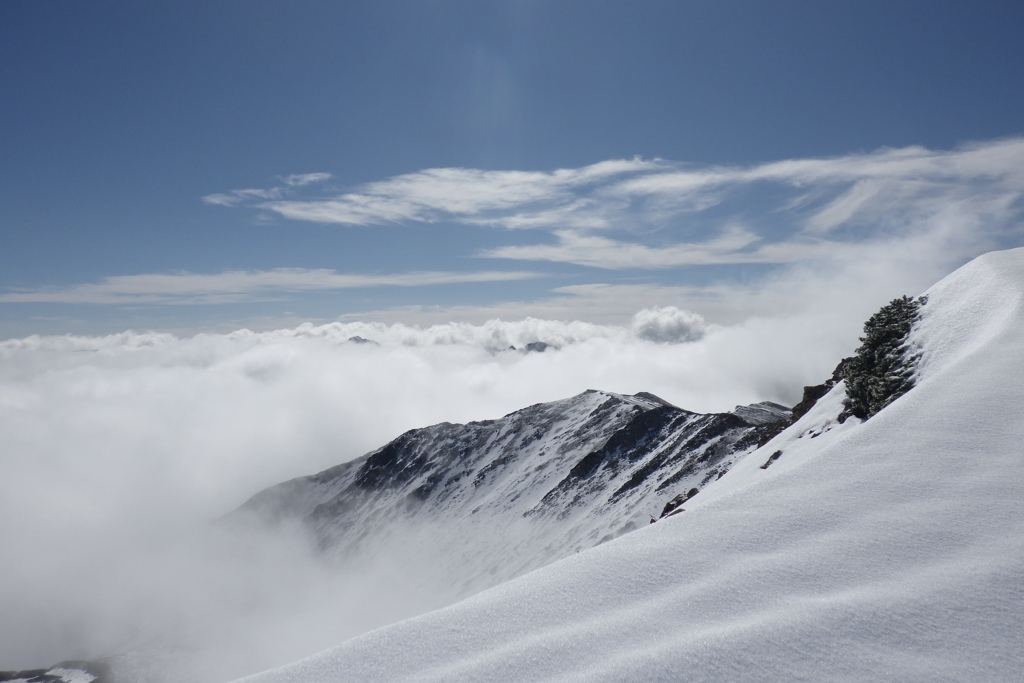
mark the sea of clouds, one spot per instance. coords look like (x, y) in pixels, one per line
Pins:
(120, 451)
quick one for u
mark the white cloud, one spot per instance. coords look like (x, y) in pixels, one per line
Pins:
(668, 324)
(118, 451)
(349, 209)
(506, 198)
(843, 286)
(236, 197)
(300, 179)
(236, 286)
(221, 199)
(602, 252)
(656, 214)
(844, 207)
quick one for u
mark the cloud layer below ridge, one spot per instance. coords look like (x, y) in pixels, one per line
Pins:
(119, 450)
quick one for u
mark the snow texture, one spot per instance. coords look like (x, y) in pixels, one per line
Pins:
(886, 550)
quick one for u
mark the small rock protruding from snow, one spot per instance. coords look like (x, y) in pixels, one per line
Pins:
(772, 458)
(674, 506)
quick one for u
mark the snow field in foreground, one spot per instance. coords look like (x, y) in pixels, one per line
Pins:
(888, 550)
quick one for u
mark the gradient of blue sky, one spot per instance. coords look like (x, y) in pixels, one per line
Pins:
(119, 118)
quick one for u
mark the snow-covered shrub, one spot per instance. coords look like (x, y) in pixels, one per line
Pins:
(882, 369)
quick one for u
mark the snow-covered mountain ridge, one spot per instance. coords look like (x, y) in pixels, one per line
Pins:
(66, 672)
(891, 549)
(502, 497)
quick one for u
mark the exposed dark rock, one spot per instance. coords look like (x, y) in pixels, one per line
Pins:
(814, 393)
(811, 396)
(675, 505)
(59, 673)
(772, 458)
(32, 675)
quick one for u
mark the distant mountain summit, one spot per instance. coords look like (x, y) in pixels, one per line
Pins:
(763, 413)
(502, 497)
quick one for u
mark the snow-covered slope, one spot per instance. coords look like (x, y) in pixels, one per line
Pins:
(886, 550)
(68, 672)
(464, 507)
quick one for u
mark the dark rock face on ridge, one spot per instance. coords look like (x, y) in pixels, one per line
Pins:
(65, 672)
(764, 413)
(505, 496)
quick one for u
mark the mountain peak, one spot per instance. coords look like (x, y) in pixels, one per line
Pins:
(557, 477)
(763, 413)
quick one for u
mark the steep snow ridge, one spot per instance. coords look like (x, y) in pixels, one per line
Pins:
(886, 550)
(483, 502)
(968, 310)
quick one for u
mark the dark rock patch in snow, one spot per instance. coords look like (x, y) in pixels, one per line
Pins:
(772, 458)
(674, 506)
(65, 672)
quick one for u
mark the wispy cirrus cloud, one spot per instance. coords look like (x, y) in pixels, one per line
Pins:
(237, 286)
(510, 199)
(300, 179)
(237, 197)
(657, 214)
(602, 252)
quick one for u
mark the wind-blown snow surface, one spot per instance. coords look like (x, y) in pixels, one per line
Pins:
(888, 550)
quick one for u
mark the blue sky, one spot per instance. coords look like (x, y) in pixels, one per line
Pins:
(213, 165)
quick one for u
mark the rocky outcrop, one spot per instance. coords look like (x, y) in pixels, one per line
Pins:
(810, 397)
